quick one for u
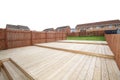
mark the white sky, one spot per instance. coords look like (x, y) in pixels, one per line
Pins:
(41, 14)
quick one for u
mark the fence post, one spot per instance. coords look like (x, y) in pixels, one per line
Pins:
(31, 38)
(62, 35)
(55, 35)
(6, 40)
(46, 37)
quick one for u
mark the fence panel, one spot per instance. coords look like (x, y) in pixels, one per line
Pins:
(64, 36)
(36, 37)
(59, 36)
(51, 36)
(18, 38)
(114, 43)
(2, 39)
(43, 37)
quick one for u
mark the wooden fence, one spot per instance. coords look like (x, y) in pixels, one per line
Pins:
(18, 38)
(15, 38)
(2, 38)
(38, 37)
(88, 33)
(114, 43)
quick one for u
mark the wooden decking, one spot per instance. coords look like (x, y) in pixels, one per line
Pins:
(84, 42)
(49, 64)
(88, 49)
(9, 70)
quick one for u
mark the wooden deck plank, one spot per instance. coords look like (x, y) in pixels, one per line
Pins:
(37, 60)
(84, 70)
(44, 65)
(90, 72)
(111, 71)
(97, 70)
(104, 69)
(105, 75)
(49, 68)
(72, 70)
(64, 69)
(76, 72)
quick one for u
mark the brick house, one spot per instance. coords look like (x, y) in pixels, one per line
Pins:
(103, 25)
(17, 27)
(49, 30)
(72, 30)
(66, 29)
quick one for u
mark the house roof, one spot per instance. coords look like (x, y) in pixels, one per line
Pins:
(49, 29)
(99, 23)
(62, 27)
(17, 27)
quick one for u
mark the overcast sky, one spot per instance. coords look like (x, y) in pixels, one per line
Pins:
(41, 14)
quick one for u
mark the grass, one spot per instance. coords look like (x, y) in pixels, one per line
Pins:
(95, 38)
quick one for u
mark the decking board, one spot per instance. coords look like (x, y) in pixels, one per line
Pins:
(84, 42)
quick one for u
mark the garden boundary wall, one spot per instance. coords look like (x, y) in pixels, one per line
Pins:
(19, 38)
(114, 44)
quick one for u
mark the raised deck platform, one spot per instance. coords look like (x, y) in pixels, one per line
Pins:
(88, 49)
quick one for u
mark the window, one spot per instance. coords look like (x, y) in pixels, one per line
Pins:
(117, 25)
(72, 30)
(110, 26)
(83, 29)
(90, 28)
(97, 27)
(102, 26)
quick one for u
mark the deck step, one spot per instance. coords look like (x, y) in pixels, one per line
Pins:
(3, 75)
(9, 70)
(15, 73)
(84, 43)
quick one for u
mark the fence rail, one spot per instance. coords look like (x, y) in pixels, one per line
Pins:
(19, 38)
(114, 43)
